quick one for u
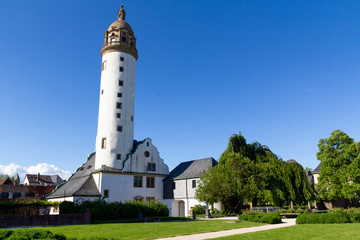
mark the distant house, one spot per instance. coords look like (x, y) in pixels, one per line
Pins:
(180, 186)
(42, 180)
(9, 190)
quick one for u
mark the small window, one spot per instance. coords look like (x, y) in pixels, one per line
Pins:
(132, 118)
(121, 69)
(123, 39)
(193, 183)
(149, 199)
(106, 193)
(119, 95)
(138, 181)
(119, 105)
(118, 156)
(151, 167)
(173, 185)
(118, 115)
(102, 91)
(147, 144)
(121, 83)
(103, 65)
(119, 128)
(112, 40)
(150, 182)
(122, 59)
(103, 143)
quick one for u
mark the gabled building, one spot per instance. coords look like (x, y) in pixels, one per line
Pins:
(181, 184)
(42, 180)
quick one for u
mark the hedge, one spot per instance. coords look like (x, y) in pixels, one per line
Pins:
(29, 234)
(349, 215)
(260, 216)
(29, 203)
(102, 210)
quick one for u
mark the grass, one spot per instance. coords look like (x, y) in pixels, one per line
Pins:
(145, 230)
(305, 231)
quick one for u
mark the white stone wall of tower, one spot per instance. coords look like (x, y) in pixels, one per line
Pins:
(116, 142)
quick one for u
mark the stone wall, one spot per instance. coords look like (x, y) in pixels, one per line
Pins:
(46, 220)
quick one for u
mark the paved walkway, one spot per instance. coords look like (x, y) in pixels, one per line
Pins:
(287, 222)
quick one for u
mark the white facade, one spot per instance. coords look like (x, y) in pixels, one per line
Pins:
(116, 109)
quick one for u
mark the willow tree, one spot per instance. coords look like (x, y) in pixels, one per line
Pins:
(250, 173)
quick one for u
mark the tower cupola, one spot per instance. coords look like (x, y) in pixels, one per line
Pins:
(120, 37)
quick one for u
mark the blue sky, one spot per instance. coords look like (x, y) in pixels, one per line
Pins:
(284, 73)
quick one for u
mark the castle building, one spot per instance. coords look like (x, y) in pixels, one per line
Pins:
(121, 168)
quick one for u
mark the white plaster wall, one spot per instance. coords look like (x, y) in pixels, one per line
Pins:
(116, 142)
(121, 187)
(138, 161)
(182, 185)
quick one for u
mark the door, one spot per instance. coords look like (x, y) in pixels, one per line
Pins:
(181, 209)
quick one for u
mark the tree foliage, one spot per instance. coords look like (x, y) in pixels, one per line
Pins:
(339, 168)
(253, 173)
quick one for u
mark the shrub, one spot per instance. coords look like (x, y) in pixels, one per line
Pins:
(330, 217)
(102, 210)
(260, 216)
(30, 234)
(199, 209)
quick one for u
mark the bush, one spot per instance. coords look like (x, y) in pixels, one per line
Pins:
(260, 216)
(102, 210)
(199, 209)
(330, 217)
(29, 234)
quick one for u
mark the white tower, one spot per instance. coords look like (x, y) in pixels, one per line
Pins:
(115, 131)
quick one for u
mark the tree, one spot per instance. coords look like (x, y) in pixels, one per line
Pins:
(252, 173)
(14, 179)
(339, 168)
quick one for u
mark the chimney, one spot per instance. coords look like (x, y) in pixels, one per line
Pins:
(38, 177)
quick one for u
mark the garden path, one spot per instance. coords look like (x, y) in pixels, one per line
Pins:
(287, 222)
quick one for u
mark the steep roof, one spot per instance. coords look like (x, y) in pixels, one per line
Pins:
(317, 169)
(33, 178)
(81, 183)
(191, 169)
(6, 181)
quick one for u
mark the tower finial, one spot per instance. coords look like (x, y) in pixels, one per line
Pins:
(121, 13)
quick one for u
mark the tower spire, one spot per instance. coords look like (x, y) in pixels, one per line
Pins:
(121, 13)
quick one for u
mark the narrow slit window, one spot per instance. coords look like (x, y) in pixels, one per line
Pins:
(106, 193)
(103, 65)
(119, 95)
(118, 115)
(103, 143)
(119, 105)
(121, 69)
(118, 156)
(132, 118)
(102, 91)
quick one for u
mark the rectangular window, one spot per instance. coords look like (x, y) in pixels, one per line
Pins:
(123, 39)
(119, 128)
(121, 83)
(150, 182)
(106, 193)
(121, 69)
(173, 185)
(118, 156)
(149, 199)
(103, 65)
(193, 183)
(119, 95)
(132, 118)
(138, 181)
(151, 166)
(122, 59)
(119, 105)
(102, 91)
(118, 115)
(103, 143)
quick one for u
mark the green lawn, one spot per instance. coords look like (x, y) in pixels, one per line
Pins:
(305, 231)
(145, 230)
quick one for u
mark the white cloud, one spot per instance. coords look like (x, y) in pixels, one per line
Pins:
(43, 168)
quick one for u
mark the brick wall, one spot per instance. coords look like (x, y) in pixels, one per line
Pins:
(45, 220)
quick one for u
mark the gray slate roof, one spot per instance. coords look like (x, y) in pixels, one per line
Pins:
(317, 169)
(191, 169)
(81, 183)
